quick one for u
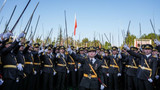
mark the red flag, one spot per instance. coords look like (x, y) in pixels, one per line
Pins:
(75, 26)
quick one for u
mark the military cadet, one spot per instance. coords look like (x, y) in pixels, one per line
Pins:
(92, 70)
(115, 68)
(131, 70)
(142, 49)
(18, 51)
(124, 69)
(85, 50)
(79, 65)
(47, 68)
(107, 52)
(147, 66)
(97, 50)
(1, 81)
(57, 49)
(2, 45)
(156, 54)
(105, 66)
(71, 77)
(9, 62)
(28, 67)
(36, 66)
(61, 68)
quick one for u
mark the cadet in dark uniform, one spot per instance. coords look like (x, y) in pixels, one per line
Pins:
(115, 68)
(131, 70)
(28, 67)
(92, 70)
(36, 66)
(1, 81)
(71, 77)
(10, 64)
(61, 68)
(79, 65)
(105, 66)
(2, 45)
(156, 80)
(148, 65)
(20, 62)
(156, 54)
(47, 69)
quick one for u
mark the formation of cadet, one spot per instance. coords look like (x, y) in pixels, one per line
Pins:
(25, 65)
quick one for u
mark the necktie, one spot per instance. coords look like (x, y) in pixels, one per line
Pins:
(91, 61)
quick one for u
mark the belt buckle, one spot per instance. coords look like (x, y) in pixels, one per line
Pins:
(113, 65)
(89, 76)
(143, 67)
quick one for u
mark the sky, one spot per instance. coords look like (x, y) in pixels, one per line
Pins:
(93, 16)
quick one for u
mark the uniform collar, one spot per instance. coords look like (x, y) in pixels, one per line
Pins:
(93, 60)
(148, 55)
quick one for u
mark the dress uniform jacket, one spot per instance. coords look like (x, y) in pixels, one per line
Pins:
(9, 62)
(90, 80)
(147, 66)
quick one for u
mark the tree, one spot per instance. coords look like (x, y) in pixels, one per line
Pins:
(85, 41)
(130, 40)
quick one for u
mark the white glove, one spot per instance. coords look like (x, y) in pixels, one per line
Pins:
(40, 51)
(103, 54)
(21, 35)
(157, 76)
(102, 87)
(46, 50)
(79, 65)
(75, 69)
(150, 80)
(68, 71)
(63, 55)
(7, 35)
(1, 81)
(35, 72)
(126, 47)
(30, 43)
(17, 79)
(77, 48)
(19, 66)
(69, 50)
(107, 74)
(54, 73)
(57, 55)
(140, 48)
(156, 42)
(119, 74)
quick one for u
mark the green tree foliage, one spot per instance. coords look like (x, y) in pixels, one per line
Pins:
(130, 40)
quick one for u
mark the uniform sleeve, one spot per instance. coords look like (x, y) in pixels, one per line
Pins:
(78, 58)
(100, 76)
(7, 50)
(132, 53)
(154, 68)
